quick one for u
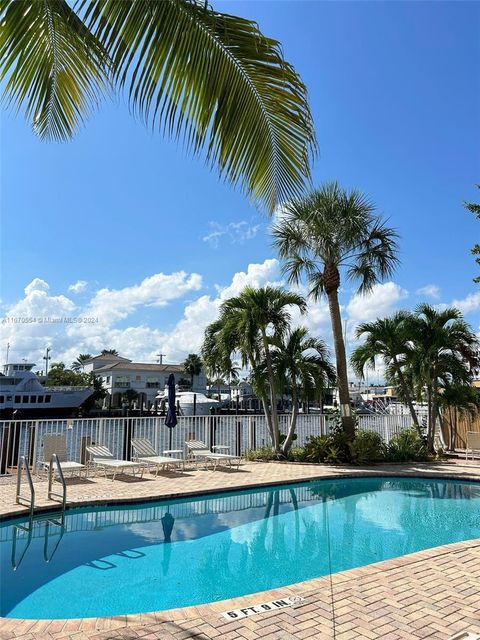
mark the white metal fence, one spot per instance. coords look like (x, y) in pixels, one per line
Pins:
(239, 432)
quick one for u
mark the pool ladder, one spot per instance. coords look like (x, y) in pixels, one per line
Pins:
(30, 501)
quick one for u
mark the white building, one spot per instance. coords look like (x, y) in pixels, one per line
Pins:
(120, 374)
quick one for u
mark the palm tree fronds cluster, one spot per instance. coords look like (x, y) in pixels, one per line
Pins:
(209, 79)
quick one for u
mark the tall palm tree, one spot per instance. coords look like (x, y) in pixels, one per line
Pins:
(389, 339)
(301, 363)
(246, 326)
(445, 351)
(192, 365)
(209, 79)
(79, 363)
(325, 233)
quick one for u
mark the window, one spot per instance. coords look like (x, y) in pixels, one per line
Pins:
(33, 399)
(25, 399)
(123, 382)
(2, 399)
(18, 399)
(48, 398)
(107, 380)
(138, 378)
(152, 383)
(40, 399)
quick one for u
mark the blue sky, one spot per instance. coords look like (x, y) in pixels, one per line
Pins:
(156, 240)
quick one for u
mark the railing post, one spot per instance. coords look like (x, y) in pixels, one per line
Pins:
(238, 442)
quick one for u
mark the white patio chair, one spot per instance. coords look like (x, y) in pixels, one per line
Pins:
(56, 443)
(145, 452)
(472, 444)
(102, 458)
(199, 451)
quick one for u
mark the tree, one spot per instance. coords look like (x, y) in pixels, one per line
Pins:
(389, 339)
(475, 209)
(247, 325)
(109, 352)
(60, 376)
(193, 366)
(324, 233)
(301, 364)
(79, 363)
(444, 352)
(209, 79)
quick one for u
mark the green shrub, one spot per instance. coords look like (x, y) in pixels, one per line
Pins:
(263, 453)
(407, 446)
(298, 454)
(367, 447)
(316, 448)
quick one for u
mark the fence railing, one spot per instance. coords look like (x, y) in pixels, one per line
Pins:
(239, 432)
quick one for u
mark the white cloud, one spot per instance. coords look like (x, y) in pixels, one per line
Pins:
(110, 305)
(429, 290)
(234, 233)
(78, 286)
(72, 335)
(468, 304)
(380, 302)
(37, 284)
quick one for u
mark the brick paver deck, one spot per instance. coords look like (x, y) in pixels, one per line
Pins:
(431, 594)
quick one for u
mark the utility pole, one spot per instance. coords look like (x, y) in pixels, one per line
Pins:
(8, 350)
(160, 358)
(47, 357)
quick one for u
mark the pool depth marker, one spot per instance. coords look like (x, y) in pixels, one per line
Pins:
(245, 612)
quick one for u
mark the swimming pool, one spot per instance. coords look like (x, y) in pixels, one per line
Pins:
(160, 555)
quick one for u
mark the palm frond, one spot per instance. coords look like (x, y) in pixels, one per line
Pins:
(52, 64)
(216, 82)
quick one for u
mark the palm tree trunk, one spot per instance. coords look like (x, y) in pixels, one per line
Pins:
(431, 419)
(408, 397)
(348, 423)
(273, 398)
(293, 421)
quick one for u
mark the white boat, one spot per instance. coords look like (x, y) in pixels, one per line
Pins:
(22, 395)
(191, 402)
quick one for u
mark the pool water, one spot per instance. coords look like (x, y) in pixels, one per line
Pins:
(131, 559)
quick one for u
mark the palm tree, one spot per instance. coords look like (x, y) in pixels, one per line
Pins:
(210, 79)
(192, 365)
(109, 352)
(79, 363)
(301, 362)
(445, 352)
(324, 233)
(247, 325)
(389, 339)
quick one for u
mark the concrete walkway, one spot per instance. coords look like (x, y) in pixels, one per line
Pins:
(431, 594)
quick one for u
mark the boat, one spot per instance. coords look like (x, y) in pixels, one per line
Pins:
(191, 403)
(22, 395)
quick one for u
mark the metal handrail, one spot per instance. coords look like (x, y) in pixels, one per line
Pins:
(47, 554)
(29, 500)
(52, 495)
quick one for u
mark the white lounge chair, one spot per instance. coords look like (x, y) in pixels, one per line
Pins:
(472, 444)
(102, 458)
(145, 452)
(56, 443)
(199, 451)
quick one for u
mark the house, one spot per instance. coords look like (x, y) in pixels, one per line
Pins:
(118, 375)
